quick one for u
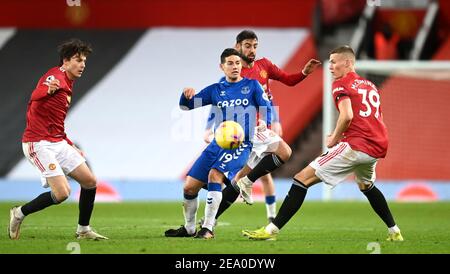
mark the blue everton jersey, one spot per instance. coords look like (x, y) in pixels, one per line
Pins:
(240, 102)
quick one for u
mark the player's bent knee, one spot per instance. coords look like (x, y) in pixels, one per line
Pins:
(90, 183)
(62, 195)
(243, 172)
(288, 151)
(364, 186)
(190, 190)
(192, 186)
(60, 188)
(300, 176)
(284, 151)
(215, 176)
(307, 176)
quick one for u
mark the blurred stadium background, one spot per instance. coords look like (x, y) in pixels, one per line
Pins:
(125, 113)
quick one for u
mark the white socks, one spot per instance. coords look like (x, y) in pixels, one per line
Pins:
(272, 229)
(83, 228)
(393, 229)
(213, 199)
(18, 213)
(271, 210)
(190, 213)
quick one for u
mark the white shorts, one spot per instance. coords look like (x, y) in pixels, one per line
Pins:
(264, 142)
(340, 161)
(52, 159)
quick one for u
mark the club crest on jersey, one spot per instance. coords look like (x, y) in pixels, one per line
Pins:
(222, 93)
(245, 90)
(52, 166)
(263, 74)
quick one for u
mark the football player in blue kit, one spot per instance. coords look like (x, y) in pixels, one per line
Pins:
(239, 99)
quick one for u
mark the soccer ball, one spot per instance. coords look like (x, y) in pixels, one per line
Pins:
(229, 135)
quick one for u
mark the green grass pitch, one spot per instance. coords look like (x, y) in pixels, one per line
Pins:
(319, 227)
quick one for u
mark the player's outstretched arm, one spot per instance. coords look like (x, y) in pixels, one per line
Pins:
(186, 102)
(189, 100)
(311, 66)
(278, 74)
(188, 93)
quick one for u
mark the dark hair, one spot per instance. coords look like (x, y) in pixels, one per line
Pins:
(73, 47)
(343, 49)
(246, 34)
(228, 52)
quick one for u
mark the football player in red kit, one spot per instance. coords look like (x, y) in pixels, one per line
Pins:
(357, 142)
(47, 147)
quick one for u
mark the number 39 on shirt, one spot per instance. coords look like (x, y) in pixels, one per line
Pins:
(370, 99)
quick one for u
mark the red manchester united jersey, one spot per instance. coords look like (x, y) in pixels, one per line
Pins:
(367, 132)
(46, 113)
(263, 70)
